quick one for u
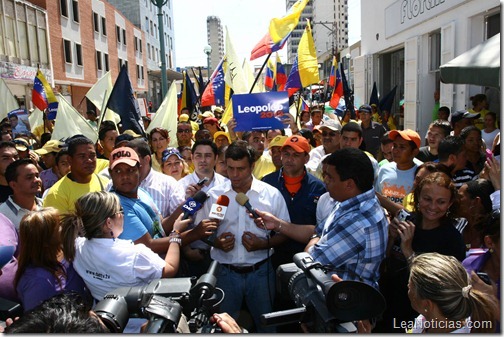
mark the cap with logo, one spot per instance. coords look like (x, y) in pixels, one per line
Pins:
(297, 143)
(53, 145)
(365, 108)
(277, 141)
(21, 144)
(170, 152)
(330, 124)
(462, 114)
(124, 155)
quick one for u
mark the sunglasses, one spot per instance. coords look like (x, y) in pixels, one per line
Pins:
(121, 211)
(329, 134)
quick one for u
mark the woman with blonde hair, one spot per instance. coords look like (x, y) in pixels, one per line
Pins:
(105, 262)
(43, 271)
(439, 288)
(173, 164)
(159, 141)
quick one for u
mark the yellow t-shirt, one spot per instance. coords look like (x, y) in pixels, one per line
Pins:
(65, 192)
(263, 166)
(156, 166)
(479, 123)
(101, 164)
(38, 131)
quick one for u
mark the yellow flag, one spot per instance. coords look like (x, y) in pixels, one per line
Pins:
(166, 114)
(307, 58)
(280, 27)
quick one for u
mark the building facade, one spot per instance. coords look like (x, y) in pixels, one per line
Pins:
(215, 38)
(24, 41)
(145, 16)
(405, 41)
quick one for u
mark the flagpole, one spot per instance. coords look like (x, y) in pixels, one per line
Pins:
(297, 107)
(259, 73)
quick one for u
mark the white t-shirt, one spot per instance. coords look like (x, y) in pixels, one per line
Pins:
(107, 264)
(489, 137)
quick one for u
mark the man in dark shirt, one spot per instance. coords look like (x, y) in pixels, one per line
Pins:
(372, 132)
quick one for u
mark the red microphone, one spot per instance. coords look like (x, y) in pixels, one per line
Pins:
(217, 212)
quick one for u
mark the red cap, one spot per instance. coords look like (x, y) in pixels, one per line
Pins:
(123, 155)
(210, 120)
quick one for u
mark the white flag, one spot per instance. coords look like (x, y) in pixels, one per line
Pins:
(99, 95)
(7, 99)
(249, 75)
(166, 115)
(36, 118)
(234, 75)
(69, 122)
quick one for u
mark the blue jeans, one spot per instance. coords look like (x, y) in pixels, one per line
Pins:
(253, 287)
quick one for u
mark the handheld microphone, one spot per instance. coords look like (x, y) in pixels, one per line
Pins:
(243, 200)
(202, 181)
(217, 212)
(192, 205)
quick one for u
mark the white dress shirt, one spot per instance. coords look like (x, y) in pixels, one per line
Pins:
(166, 192)
(262, 196)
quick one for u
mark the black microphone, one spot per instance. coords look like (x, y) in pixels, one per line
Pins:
(243, 200)
(192, 205)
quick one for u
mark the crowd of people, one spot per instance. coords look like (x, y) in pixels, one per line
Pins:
(417, 218)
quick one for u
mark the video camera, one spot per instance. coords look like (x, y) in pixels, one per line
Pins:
(162, 302)
(322, 304)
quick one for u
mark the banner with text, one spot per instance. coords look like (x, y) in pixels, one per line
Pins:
(261, 111)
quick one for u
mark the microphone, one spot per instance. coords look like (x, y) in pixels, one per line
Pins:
(217, 212)
(192, 205)
(243, 200)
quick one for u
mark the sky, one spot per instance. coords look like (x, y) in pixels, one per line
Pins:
(247, 22)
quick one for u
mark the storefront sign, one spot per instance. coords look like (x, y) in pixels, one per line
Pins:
(404, 14)
(20, 72)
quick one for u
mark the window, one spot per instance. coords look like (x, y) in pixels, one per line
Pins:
(171, 43)
(124, 36)
(142, 72)
(96, 22)
(104, 26)
(105, 58)
(78, 49)
(67, 50)
(148, 51)
(120, 63)
(126, 64)
(118, 34)
(140, 45)
(156, 30)
(75, 10)
(135, 42)
(147, 24)
(151, 28)
(64, 8)
(98, 60)
(435, 51)
(169, 22)
(138, 72)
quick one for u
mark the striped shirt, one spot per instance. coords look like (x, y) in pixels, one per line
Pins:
(166, 192)
(353, 241)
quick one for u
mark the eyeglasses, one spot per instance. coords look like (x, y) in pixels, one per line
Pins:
(121, 211)
(183, 130)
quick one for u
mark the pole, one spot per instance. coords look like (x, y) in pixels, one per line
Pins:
(164, 81)
(208, 66)
(259, 73)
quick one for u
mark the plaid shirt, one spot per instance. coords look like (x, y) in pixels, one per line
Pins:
(354, 239)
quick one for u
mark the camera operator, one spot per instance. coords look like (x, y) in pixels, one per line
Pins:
(353, 239)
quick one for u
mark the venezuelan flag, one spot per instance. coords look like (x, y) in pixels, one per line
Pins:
(281, 76)
(337, 91)
(332, 76)
(214, 91)
(279, 31)
(43, 97)
(305, 67)
(269, 79)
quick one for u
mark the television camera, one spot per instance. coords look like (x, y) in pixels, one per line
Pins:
(163, 302)
(322, 304)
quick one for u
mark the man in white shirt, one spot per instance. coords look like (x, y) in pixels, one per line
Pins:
(196, 255)
(331, 132)
(23, 177)
(242, 248)
(164, 190)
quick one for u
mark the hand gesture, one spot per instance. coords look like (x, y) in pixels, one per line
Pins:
(205, 228)
(252, 242)
(191, 190)
(266, 219)
(406, 230)
(225, 241)
(181, 225)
